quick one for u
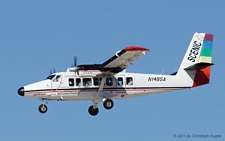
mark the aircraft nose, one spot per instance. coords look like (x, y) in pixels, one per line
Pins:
(21, 91)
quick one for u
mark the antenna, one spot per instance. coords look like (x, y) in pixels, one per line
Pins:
(161, 72)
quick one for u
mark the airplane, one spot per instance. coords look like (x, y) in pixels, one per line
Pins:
(109, 81)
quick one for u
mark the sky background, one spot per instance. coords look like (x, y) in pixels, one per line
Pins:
(38, 35)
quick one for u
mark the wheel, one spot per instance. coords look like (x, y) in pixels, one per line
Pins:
(93, 111)
(42, 108)
(108, 104)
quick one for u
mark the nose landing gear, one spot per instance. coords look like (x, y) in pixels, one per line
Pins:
(43, 108)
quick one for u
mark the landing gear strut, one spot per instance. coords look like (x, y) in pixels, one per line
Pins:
(43, 108)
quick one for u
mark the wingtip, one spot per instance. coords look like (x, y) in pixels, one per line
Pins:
(135, 48)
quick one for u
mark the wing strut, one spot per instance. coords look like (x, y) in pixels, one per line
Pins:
(97, 95)
(102, 84)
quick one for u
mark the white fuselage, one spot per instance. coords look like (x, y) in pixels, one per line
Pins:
(85, 86)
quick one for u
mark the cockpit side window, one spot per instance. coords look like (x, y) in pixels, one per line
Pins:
(56, 79)
(50, 77)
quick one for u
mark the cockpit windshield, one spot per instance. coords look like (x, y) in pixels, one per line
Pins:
(50, 77)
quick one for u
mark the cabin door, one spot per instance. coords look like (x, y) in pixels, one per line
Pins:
(121, 87)
(56, 82)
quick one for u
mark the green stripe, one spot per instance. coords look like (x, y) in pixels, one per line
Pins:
(206, 52)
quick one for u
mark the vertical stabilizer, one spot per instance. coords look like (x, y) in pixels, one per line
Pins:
(198, 59)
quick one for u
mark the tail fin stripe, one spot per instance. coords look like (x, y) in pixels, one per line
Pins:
(207, 44)
(208, 37)
(206, 52)
(205, 59)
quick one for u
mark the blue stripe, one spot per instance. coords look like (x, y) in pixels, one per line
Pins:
(207, 44)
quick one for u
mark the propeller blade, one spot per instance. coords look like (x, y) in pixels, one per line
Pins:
(54, 70)
(50, 72)
(75, 60)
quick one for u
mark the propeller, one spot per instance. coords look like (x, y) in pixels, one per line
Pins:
(75, 60)
(74, 66)
(52, 70)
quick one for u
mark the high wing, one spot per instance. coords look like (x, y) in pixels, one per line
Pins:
(122, 59)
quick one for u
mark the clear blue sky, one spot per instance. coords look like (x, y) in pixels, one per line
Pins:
(37, 35)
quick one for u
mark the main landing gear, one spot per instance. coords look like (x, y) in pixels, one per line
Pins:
(93, 110)
(108, 104)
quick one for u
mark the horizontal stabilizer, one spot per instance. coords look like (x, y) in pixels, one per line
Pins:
(199, 66)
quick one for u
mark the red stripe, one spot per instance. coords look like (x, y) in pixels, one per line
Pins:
(208, 37)
(113, 90)
(135, 48)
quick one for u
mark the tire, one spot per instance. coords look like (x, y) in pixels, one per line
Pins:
(93, 111)
(42, 108)
(108, 104)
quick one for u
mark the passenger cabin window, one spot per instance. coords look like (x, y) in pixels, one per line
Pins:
(71, 82)
(96, 82)
(78, 82)
(109, 81)
(120, 81)
(87, 82)
(129, 81)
